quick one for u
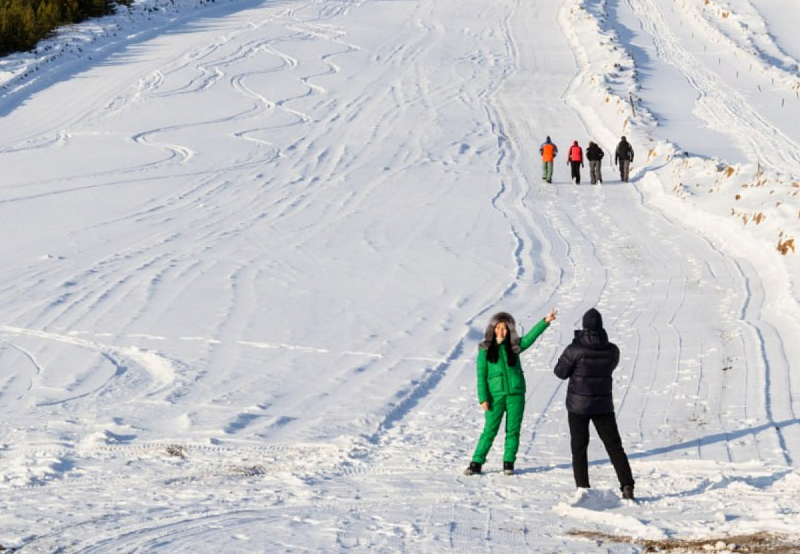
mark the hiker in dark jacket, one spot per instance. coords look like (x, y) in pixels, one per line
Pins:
(588, 363)
(595, 156)
(624, 157)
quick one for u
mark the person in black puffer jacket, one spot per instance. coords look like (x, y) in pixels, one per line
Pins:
(595, 156)
(588, 363)
(623, 156)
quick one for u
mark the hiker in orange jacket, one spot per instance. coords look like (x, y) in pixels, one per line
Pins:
(549, 151)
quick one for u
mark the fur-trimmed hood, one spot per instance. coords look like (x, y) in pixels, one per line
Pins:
(511, 325)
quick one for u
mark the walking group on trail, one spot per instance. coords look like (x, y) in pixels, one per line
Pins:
(623, 157)
(587, 363)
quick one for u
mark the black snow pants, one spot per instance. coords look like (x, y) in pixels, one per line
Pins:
(576, 172)
(606, 425)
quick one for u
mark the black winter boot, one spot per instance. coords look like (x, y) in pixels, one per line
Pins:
(474, 468)
(627, 492)
(508, 468)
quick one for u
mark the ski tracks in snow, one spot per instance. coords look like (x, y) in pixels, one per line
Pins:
(685, 315)
(718, 104)
(727, 109)
(672, 302)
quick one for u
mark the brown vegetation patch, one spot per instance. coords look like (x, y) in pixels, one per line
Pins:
(761, 543)
(176, 451)
(784, 245)
(747, 218)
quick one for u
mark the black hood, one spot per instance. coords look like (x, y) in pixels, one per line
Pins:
(595, 340)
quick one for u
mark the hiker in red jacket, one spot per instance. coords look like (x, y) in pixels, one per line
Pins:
(575, 160)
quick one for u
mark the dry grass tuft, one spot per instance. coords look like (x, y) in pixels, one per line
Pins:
(784, 245)
(177, 451)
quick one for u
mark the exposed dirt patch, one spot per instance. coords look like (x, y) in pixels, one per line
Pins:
(760, 543)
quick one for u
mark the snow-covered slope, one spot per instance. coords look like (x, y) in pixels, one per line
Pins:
(250, 249)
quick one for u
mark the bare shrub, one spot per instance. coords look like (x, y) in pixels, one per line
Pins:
(177, 451)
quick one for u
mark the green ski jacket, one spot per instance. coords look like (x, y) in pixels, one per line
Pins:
(498, 379)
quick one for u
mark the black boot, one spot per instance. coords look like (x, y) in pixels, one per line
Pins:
(474, 468)
(627, 492)
(508, 468)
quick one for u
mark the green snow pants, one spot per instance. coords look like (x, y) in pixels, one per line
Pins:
(512, 406)
(547, 171)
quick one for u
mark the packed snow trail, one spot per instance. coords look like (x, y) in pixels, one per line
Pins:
(307, 212)
(713, 59)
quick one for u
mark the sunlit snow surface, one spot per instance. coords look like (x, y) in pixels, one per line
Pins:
(250, 248)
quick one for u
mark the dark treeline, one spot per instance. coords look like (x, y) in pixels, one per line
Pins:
(23, 23)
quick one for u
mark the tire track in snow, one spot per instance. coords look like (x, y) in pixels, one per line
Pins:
(528, 280)
(746, 31)
(19, 383)
(657, 359)
(162, 264)
(206, 192)
(163, 373)
(366, 524)
(720, 106)
(747, 368)
(362, 107)
(422, 393)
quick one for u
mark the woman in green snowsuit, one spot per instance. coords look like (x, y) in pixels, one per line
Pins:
(501, 386)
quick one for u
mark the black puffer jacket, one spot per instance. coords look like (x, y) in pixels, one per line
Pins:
(588, 364)
(594, 153)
